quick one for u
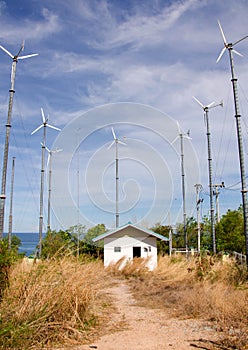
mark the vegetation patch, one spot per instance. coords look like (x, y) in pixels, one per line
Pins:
(52, 302)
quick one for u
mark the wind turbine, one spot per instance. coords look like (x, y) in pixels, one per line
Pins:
(8, 126)
(49, 161)
(229, 47)
(43, 146)
(116, 142)
(181, 136)
(210, 172)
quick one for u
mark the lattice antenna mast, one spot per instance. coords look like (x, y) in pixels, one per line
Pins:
(234, 80)
(182, 136)
(116, 142)
(8, 126)
(43, 147)
(210, 172)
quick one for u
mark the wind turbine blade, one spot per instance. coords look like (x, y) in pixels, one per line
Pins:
(112, 143)
(113, 132)
(240, 40)
(210, 104)
(43, 116)
(57, 150)
(39, 127)
(174, 139)
(23, 45)
(48, 150)
(221, 54)
(53, 127)
(198, 102)
(122, 143)
(48, 158)
(237, 53)
(222, 33)
(5, 50)
(27, 56)
(178, 128)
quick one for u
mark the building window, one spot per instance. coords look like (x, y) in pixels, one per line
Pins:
(117, 249)
(150, 248)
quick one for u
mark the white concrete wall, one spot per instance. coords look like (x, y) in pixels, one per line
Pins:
(127, 239)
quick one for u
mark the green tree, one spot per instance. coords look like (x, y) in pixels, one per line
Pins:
(58, 243)
(162, 246)
(87, 246)
(191, 230)
(230, 232)
(94, 232)
(206, 237)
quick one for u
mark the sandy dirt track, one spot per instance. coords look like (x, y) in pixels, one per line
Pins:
(141, 328)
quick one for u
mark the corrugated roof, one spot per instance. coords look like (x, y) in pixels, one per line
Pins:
(149, 232)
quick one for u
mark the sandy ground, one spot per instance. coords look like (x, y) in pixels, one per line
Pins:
(136, 327)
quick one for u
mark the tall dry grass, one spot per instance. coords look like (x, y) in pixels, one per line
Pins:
(51, 302)
(202, 287)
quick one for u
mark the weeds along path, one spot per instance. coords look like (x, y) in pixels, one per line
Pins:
(137, 327)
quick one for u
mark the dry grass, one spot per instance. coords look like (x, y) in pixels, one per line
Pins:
(51, 302)
(204, 288)
(61, 301)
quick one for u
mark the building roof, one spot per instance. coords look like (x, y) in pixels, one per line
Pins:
(124, 227)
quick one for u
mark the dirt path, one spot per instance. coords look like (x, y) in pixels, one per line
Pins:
(141, 328)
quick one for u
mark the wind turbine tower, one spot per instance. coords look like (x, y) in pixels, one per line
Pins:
(210, 172)
(43, 146)
(8, 126)
(229, 47)
(116, 142)
(49, 161)
(181, 136)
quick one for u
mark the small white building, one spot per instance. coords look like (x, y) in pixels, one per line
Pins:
(128, 242)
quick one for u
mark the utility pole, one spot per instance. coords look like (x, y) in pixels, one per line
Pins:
(11, 203)
(216, 194)
(198, 188)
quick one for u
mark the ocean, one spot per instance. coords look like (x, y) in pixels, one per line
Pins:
(29, 241)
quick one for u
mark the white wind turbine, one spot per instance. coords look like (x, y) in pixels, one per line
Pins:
(49, 161)
(15, 59)
(210, 172)
(181, 136)
(43, 146)
(229, 47)
(116, 142)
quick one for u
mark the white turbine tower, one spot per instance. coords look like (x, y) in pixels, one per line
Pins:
(8, 126)
(43, 125)
(229, 47)
(181, 136)
(210, 172)
(49, 161)
(116, 142)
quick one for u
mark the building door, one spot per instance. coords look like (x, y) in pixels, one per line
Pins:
(136, 252)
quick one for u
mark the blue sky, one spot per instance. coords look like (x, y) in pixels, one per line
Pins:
(142, 60)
